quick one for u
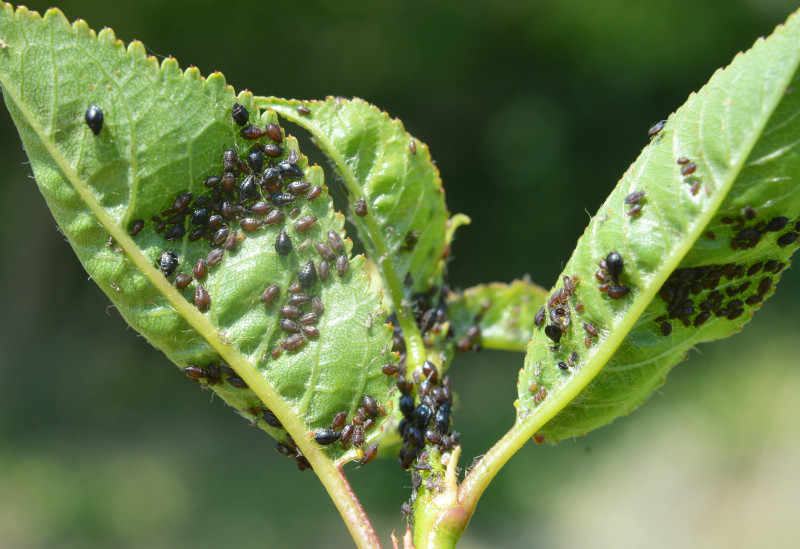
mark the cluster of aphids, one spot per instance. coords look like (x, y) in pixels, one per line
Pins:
(682, 292)
(429, 422)
(213, 374)
(252, 194)
(430, 314)
(747, 237)
(353, 432)
(556, 317)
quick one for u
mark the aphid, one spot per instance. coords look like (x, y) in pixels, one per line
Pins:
(683, 160)
(137, 227)
(735, 314)
(563, 365)
(309, 318)
(590, 329)
(168, 263)
(361, 207)
(199, 216)
(390, 369)
(181, 202)
(689, 168)
(282, 199)
(232, 241)
(176, 232)
(634, 197)
(370, 405)
(201, 298)
(747, 238)
(335, 241)
(289, 311)
(248, 189)
(787, 239)
(764, 286)
(412, 146)
(302, 109)
(252, 132)
(271, 180)
(249, 224)
(283, 244)
(656, 128)
(636, 210)
(272, 150)
(289, 326)
(666, 328)
(601, 276)
(175, 219)
(618, 292)
(316, 190)
(236, 382)
(754, 300)
(194, 372)
(700, 319)
(94, 119)
(324, 270)
(308, 275)
(587, 341)
(290, 170)
(711, 235)
(540, 316)
(369, 454)
(240, 114)
(317, 306)
(305, 223)
(358, 436)
(604, 287)
(212, 181)
(326, 437)
(214, 256)
(406, 405)
(230, 159)
(274, 132)
(226, 210)
(429, 370)
(276, 352)
(299, 299)
(293, 342)
(311, 332)
(422, 417)
(214, 221)
(342, 263)
(614, 264)
(295, 288)
(182, 280)
(553, 332)
(200, 269)
(271, 420)
(324, 250)
(274, 217)
(260, 208)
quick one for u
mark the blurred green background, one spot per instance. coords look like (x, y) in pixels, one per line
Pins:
(532, 111)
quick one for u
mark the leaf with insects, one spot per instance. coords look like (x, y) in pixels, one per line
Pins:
(403, 221)
(185, 235)
(700, 249)
(496, 315)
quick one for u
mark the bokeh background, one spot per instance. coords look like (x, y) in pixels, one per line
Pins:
(532, 110)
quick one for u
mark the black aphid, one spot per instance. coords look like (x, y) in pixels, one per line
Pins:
(406, 405)
(230, 159)
(776, 224)
(370, 405)
(324, 270)
(317, 306)
(201, 298)
(240, 114)
(540, 316)
(429, 370)
(94, 119)
(361, 207)
(590, 329)
(689, 168)
(302, 109)
(295, 288)
(335, 241)
(282, 199)
(168, 263)
(311, 332)
(553, 332)
(290, 311)
(298, 187)
(293, 342)
(214, 256)
(656, 128)
(369, 454)
(326, 437)
(289, 169)
(176, 232)
(271, 420)
(308, 274)
(200, 216)
(283, 244)
(289, 326)
(299, 299)
(200, 269)
(634, 197)
(309, 318)
(252, 132)
(666, 328)
(249, 224)
(236, 382)
(563, 365)
(315, 191)
(194, 372)
(614, 265)
(422, 417)
(787, 239)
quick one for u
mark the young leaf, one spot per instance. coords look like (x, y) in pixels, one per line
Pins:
(502, 313)
(403, 220)
(163, 134)
(719, 220)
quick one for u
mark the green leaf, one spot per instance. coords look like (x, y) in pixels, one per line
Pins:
(720, 235)
(164, 133)
(504, 314)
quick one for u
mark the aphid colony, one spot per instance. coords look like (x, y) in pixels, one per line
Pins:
(608, 275)
(695, 294)
(747, 237)
(212, 374)
(353, 432)
(250, 194)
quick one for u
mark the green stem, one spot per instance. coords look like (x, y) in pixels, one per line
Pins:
(329, 474)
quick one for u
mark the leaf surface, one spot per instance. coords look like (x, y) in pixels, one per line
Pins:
(164, 133)
(719, 221)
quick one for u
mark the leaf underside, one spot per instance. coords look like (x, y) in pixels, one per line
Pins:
(719, 221)
(164, 133)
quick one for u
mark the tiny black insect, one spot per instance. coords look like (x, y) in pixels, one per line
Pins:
(282, 199)
(182, 281)
(252, 132)
(272, 150)
(175, 232)
(317, 306)
(305, 223)
(294, 342)
(168, 263)
(342, 263)
(335, 240)
(290, 169)
(326, 437)
(656, 128)
(614, 264)
(370, 405)
(240, 114)
(274, 132)
(553, 332)
(540, 316)
(618, 292)
(308, 274)
(200, 269)
(302, 109)
(634, 197)
(201, 298)
(283, 244)
(316, 190)
(214, 256)
(324, 270)
(94, 119)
